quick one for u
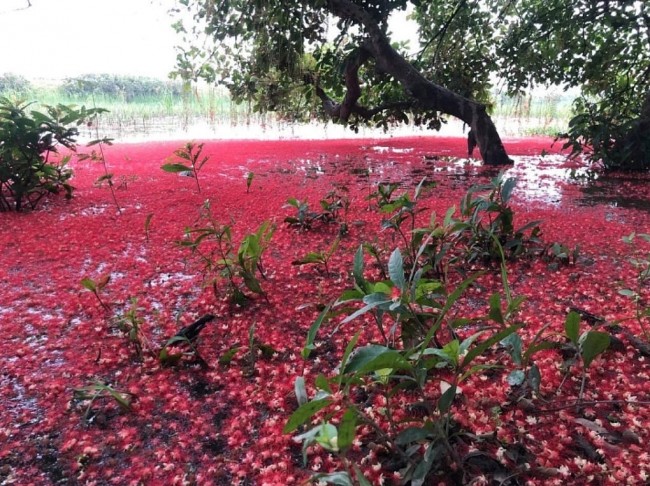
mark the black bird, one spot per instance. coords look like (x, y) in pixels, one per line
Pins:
(192, 331)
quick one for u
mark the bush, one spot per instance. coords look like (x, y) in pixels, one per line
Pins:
(612, 131)
(27, 141)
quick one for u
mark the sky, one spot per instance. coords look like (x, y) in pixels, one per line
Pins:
(54, 39)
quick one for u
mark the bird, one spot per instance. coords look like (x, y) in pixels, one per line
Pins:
(191, 331)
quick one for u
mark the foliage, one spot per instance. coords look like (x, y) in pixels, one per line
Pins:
(568, 43)
(98, 156)
(488, 223)
(187, 153)
(28, 144)
(418, 309)
(283, 60)
(642, 264)
(14, 85)
(214, 247)
(130, 324)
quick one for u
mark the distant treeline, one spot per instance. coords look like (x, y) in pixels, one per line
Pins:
(125, 88)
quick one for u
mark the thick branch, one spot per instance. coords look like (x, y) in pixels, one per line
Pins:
(352, 66)
(333, 108)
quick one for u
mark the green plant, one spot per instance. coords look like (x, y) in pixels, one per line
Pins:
(587, 345)
(559, 253)
(213, 245)
(333, 203)
(96, 287)
(384, 193)
(304, 218)
(28, 142)
(488, 222)
(99, 390)
(14, 85)
(422, 440)
(403, 209)
(99, 156)
(130, 324)
(188, 153)
(319, 257)
(642, 264)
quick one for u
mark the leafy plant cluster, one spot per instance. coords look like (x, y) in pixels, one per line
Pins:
(421, 350)
(212, 243)
(29, 140)
(127, 88)
(334, 208)
(483, 231)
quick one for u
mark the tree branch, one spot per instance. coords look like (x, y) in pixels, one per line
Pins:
(333, 108)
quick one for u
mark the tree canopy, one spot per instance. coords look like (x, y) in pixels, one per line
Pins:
(334, 58)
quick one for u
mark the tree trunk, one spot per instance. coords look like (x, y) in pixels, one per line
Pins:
(435, 97)
(429, 95)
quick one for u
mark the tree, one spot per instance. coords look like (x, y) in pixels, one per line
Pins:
(280, 56)
(599, 46)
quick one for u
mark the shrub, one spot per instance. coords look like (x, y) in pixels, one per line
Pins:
(27, 142)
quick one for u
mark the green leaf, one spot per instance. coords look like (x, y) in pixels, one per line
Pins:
(227, 357)
(322, 383)
(175, 168)
(446, 399)
(480, 348)
(593, 343)
(534, 377)
(375, 357)
(347, 428)
(304, 413)
(507, 188)
(335, 478)
(360, 477)
(627, 292)
(347, 352)
(412, 434)
(89, 284)
(301, 391)
(372, 301)
(313, 331)
(572, 327)
(516, 378)
(396, 269)
(357, 270)
(513, 345)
